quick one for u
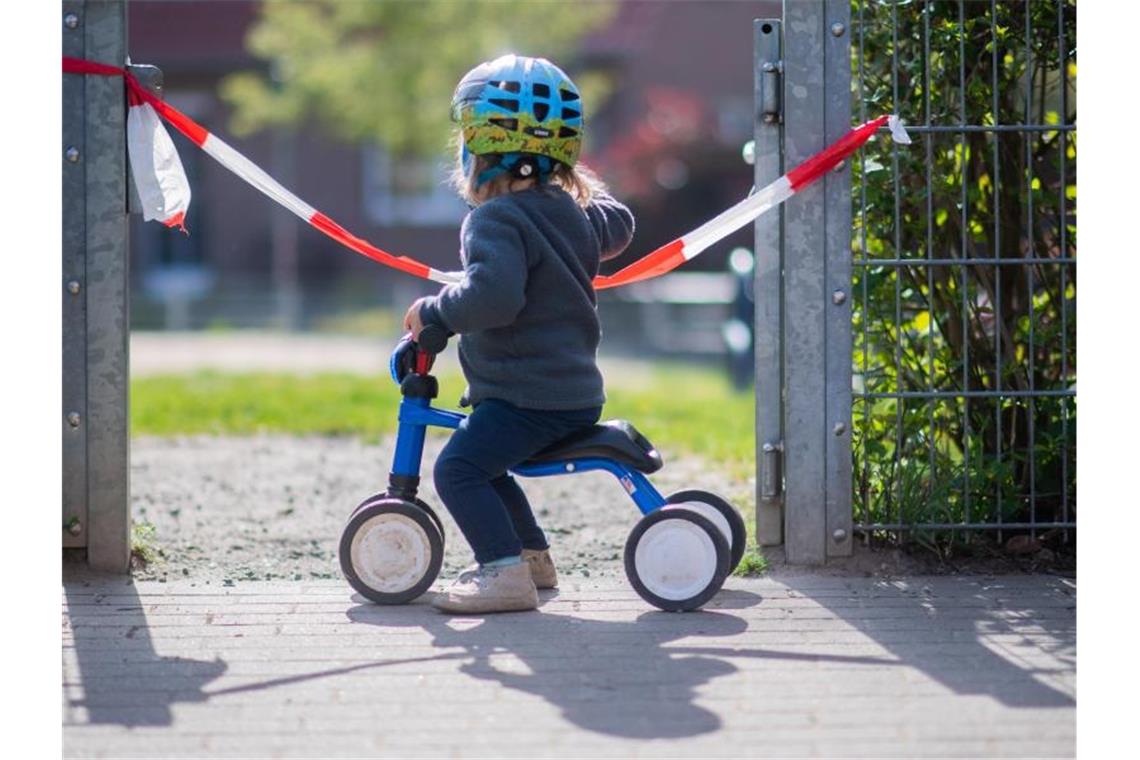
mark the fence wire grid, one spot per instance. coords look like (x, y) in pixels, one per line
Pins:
(964, 313)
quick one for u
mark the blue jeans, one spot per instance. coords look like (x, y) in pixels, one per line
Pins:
(471, 473)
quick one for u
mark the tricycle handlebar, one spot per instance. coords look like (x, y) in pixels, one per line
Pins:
(433, 339)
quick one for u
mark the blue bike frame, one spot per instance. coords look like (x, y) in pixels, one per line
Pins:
(417, 414)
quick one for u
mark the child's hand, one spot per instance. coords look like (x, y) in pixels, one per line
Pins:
(412, 321)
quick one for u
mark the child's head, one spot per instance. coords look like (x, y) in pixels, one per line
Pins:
(520, 125)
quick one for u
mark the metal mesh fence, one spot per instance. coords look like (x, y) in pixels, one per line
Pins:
(964, 313)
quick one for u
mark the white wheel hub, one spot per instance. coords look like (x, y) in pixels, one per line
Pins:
(710, 513)
(675, 559)
(390, 552)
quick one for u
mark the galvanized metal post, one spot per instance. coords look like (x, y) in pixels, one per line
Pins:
(74, 413)
(96, 326)
(817, 278)
(837, 261)
(768, 328)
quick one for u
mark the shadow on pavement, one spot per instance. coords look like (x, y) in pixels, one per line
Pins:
(123, 679)
(608, 676)
(612, 677)
(940, 628)
(639, 678)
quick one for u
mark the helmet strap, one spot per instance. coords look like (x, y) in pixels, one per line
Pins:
(467, 159)
(521, 166)
(490, 173)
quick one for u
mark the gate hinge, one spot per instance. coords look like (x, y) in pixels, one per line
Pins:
(770, 85)
(772, 475)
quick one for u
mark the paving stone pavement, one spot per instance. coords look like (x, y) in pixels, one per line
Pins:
(799, 665)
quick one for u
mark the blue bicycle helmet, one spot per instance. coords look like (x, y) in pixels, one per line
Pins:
(525, 110)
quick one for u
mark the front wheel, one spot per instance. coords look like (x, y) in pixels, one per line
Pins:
(384, 496)
(390, 551)
(676, 559)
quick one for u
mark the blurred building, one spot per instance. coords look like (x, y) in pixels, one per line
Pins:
(668, 140)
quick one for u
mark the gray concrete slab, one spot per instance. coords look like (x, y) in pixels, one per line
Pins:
(801, 665)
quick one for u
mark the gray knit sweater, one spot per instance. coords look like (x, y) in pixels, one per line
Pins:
(526, 311)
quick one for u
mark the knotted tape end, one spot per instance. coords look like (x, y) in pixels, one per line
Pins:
(898, 131)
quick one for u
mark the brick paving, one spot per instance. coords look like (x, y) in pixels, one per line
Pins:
(797, 665)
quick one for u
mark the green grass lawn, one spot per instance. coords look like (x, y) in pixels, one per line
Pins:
(679, 408)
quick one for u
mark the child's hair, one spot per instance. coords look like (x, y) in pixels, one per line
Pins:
(577, 180)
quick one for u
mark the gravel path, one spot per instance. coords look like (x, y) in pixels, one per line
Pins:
(228, 509)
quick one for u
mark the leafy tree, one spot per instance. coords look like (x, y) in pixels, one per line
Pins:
(1008, 195)
(385, 71)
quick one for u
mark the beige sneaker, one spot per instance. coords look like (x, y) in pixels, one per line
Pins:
(490, 589)
(541, 567)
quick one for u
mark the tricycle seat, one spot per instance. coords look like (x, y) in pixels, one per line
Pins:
(613, 439)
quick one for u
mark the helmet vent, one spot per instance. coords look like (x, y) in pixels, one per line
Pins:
(508, 124)
(541, 90)
(567, 132)
(510, 105)
(541, 110)
(510, 86)
(567, 95)
(570, 113)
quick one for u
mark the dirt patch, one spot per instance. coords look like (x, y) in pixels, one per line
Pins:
(228, 509)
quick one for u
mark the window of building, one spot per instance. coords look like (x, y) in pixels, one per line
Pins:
(409, 190)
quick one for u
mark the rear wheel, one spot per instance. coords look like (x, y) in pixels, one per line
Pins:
(676, 559)
(721, 513)
(391, 551)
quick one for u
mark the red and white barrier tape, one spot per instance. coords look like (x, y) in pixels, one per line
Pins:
(166, 194)
(688, 246)
(164, 183)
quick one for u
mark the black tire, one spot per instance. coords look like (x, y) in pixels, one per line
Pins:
(716, 578)
(417, 501)
(735, 521)
(410, 515)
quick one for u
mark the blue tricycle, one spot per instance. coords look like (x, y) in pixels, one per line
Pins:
(676, 557)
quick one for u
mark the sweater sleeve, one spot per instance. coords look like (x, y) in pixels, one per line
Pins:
(493, 289)
(612, 222)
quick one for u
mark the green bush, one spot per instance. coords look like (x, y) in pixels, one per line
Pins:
(1008, 195)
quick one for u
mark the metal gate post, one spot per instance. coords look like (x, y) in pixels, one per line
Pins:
(767, 287)
(96, 510)
(817, 278)
(837, 273)
(74, 415)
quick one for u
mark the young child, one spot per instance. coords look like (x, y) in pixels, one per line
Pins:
(525, 311)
